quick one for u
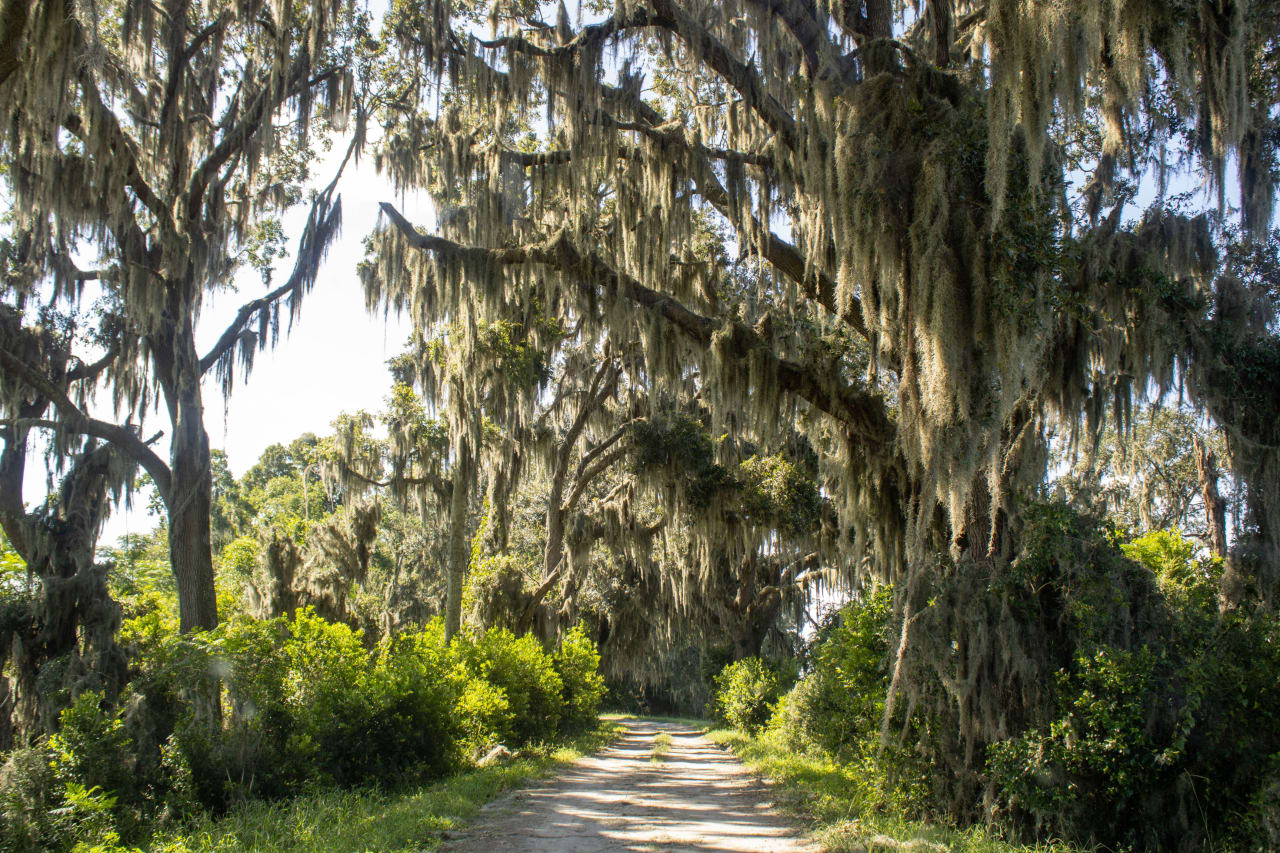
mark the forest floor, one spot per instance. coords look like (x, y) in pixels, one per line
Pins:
(662, 786)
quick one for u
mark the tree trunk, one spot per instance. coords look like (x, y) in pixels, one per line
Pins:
(190, 499)
(459, 553)
(190, 552)
(1215, 507)
(73, 619)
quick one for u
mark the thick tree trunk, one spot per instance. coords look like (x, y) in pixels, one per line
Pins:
(13, 22)
(459, 553)
(73, 620)
(190, 499)
(190, 551)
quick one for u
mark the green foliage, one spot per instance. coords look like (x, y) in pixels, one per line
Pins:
(396, 820)
(76, 787)
(848, 804)
(746, 692)
(483, 715)
(526, 674)
(1159, 724)
(838, 707)
(776, 492)
(12, 567)
(507, 344)
(29, 794)
(679, 445)
(1189, 582)
(304, 703)
(92, 750)
(1166, 717)
(1100, 757)
(577, 662)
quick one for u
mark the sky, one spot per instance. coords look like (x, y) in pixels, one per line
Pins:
(332, 361)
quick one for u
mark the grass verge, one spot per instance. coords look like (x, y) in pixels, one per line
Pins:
(404, 821)
(844, 808)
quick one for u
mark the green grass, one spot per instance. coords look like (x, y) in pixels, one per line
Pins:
(847, 811)
(405, 821)
(661, 745)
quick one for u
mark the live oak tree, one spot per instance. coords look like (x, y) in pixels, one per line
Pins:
(161, 141)
(938, 199)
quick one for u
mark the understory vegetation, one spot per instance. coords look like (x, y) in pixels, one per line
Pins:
(1160, 727)
(290, 705)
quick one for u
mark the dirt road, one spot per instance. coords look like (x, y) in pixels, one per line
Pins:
(697, 798)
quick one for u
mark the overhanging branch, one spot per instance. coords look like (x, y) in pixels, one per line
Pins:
(863, 413)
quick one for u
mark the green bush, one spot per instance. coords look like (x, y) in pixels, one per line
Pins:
(839, 706)
(577, 662)
(420, 685)
(746, 692)
(92, 749)
(77, 785)
(29, 794)
(1167, 718)
(526, 675)
(483, 715)
(303, 702)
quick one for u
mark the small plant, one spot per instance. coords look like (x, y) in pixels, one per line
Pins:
(578, 664)
(661, 746)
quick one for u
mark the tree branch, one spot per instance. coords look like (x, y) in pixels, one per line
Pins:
(77, 421)
(233, 141)
(586, 475)
(863, 413)
(742, 77)
(322, 224)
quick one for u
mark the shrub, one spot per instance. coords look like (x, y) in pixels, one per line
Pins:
(303, 702)
(577, 662)
(92, 748)
(28, 795)
(746, 692)
(419, 686)
(526, 675)
(840, 704)
(1167, 716)
(484, 717)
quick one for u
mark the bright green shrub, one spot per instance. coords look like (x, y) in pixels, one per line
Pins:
(303, 702)
(483, 716)
(417, 722)
(306, 702)
(577, 662)
(525, 673)
(746, 692)
(335, 708)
